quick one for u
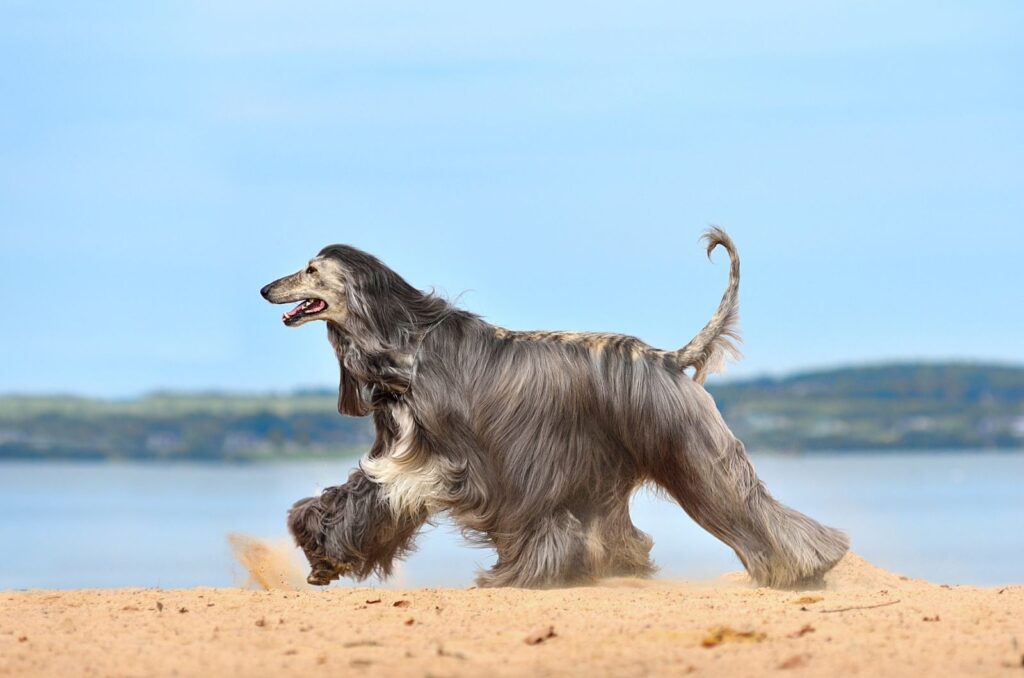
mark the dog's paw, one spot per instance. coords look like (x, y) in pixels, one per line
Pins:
(322, 577)
(323, 572)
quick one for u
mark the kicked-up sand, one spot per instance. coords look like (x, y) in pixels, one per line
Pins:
(866, 621)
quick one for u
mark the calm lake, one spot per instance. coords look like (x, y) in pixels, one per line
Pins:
(951, 518)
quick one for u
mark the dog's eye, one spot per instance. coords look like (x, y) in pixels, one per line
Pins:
(311, 270)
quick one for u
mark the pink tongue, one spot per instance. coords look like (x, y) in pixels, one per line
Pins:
(317, 306)
(295, 311)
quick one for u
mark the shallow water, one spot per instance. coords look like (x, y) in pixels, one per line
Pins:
(950, 518)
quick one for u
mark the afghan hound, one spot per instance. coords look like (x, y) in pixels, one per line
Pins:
(533, 442)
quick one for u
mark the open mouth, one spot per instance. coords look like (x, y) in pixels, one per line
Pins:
(309, 307)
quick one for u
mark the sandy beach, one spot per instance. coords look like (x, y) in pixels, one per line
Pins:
(865, 621)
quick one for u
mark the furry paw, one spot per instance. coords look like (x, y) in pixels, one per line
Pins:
(322, 576)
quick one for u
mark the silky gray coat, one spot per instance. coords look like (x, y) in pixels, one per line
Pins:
(533, 442)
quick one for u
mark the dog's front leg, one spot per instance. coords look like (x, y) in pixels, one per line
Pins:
(350, 530)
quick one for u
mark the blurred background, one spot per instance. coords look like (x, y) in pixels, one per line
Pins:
(550, 166)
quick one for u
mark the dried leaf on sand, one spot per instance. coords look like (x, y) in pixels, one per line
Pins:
(726, 634)
(794, 662)
(804, 630)
(539, 636)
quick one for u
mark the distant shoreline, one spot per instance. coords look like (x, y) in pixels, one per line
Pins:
(926, 407)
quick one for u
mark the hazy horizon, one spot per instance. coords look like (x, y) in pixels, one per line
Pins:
(159, 163)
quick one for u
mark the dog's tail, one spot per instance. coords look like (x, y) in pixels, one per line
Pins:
(708, 351)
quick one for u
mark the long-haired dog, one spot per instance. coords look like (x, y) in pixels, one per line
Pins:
(533, 442)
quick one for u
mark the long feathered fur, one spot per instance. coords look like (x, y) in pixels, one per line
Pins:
(533, 442)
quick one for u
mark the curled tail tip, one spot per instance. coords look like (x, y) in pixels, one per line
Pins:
(715, 233)
(715, 236)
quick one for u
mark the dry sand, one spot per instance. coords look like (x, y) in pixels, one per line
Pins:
(866, 621)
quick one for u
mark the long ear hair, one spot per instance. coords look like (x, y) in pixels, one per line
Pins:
(351, 397)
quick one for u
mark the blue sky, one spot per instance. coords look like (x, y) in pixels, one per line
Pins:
(557, 162)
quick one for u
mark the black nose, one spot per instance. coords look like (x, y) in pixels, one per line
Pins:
(266, 291)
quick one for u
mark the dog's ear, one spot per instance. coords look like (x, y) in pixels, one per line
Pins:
(351, 397)
(351, 400)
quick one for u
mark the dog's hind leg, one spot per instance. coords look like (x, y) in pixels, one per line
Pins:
(549, 552)
(563, 550)
(714, 481)
(615, 547)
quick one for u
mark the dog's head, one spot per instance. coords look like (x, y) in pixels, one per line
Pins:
(366, 304)
(370, 309)
(321, 288)
(352, 289)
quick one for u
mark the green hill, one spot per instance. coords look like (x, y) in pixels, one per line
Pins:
(909, 406)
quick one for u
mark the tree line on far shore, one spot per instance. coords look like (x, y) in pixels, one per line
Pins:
(889, 407)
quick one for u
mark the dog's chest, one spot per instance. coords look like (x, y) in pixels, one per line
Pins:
(413, 480)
